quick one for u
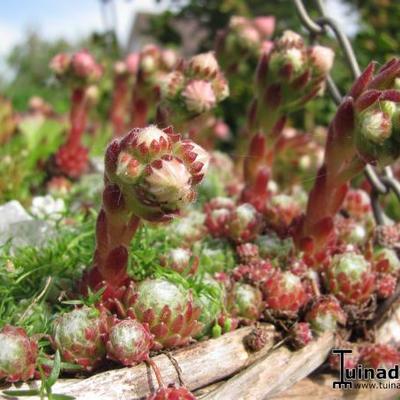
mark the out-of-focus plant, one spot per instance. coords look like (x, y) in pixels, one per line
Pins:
(79, 72)
(364, 130)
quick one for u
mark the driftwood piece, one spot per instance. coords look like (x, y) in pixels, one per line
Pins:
(201, 364)
(275, 372)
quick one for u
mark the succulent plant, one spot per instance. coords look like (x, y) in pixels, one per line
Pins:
(168, 309)
(190, 93)
(78, 71)
(386, 260)
(244, 223)
(257, 338)
(300, 335)
(326, 314)
(284, 292)
(350, 278)
(243, 39)
(180, 260)
(385, 285)
(357, 204)
(149, 174)
(379, 356)
(124, 73)
(187, 230)
(364, 130)
(247, 252)
(215, 256)
(211, 300)
(18, 354)
(172, 393)
(245, 302)
(255, 272)
(78, 335)
(272, 247)
(129, 342)
(153, 66)
(351, 360)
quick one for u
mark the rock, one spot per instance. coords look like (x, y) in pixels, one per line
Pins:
(27, 233)
(11, 213)
(97, 164)
(19, 227)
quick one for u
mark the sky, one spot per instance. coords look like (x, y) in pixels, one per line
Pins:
(72, 19)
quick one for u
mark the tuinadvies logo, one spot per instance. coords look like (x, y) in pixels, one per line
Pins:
(349, 376)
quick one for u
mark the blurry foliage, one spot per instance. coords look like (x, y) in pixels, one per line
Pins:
(23, 158)
(29, 62)
(378, 37)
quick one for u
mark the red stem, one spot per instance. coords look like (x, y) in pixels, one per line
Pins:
(118, 107)
(78, 116)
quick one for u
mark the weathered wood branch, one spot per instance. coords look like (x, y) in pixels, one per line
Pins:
(201, 364)
(275, 372)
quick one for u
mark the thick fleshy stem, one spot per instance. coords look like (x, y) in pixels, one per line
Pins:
(119, 103)
(287, 77)
(149, 174)
(78, 116)
(364, 130)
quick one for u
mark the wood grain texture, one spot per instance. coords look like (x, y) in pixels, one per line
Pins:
(275, 372)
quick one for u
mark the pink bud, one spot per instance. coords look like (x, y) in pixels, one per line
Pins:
(266, 46)
(169, 184)
(322, 58)
(265, 25)
(199, 96)
(204, 65)
(221, 130)
(171, 84)
(249, 37)
(120, 68)
(237, 21)
(169, 58)
(290, 39)
(60, 63)
(220, 87)
(84, 65)
(132, 62)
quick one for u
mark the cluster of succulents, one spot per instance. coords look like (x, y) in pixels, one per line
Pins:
(243, 38)
(255, 247)
(190, 93)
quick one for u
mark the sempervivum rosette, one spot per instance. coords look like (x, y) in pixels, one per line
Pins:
(191, 91)
(18, 354)
(350, 278)
(326, 314)
(153, 65)
(180, 260)
(287, 77)
(244, 38)
(284, 293)
(150, 174)
(244, 223)
(167, 308)
(77, 71)
(129, 342)
(78, 335)
(245, 302)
